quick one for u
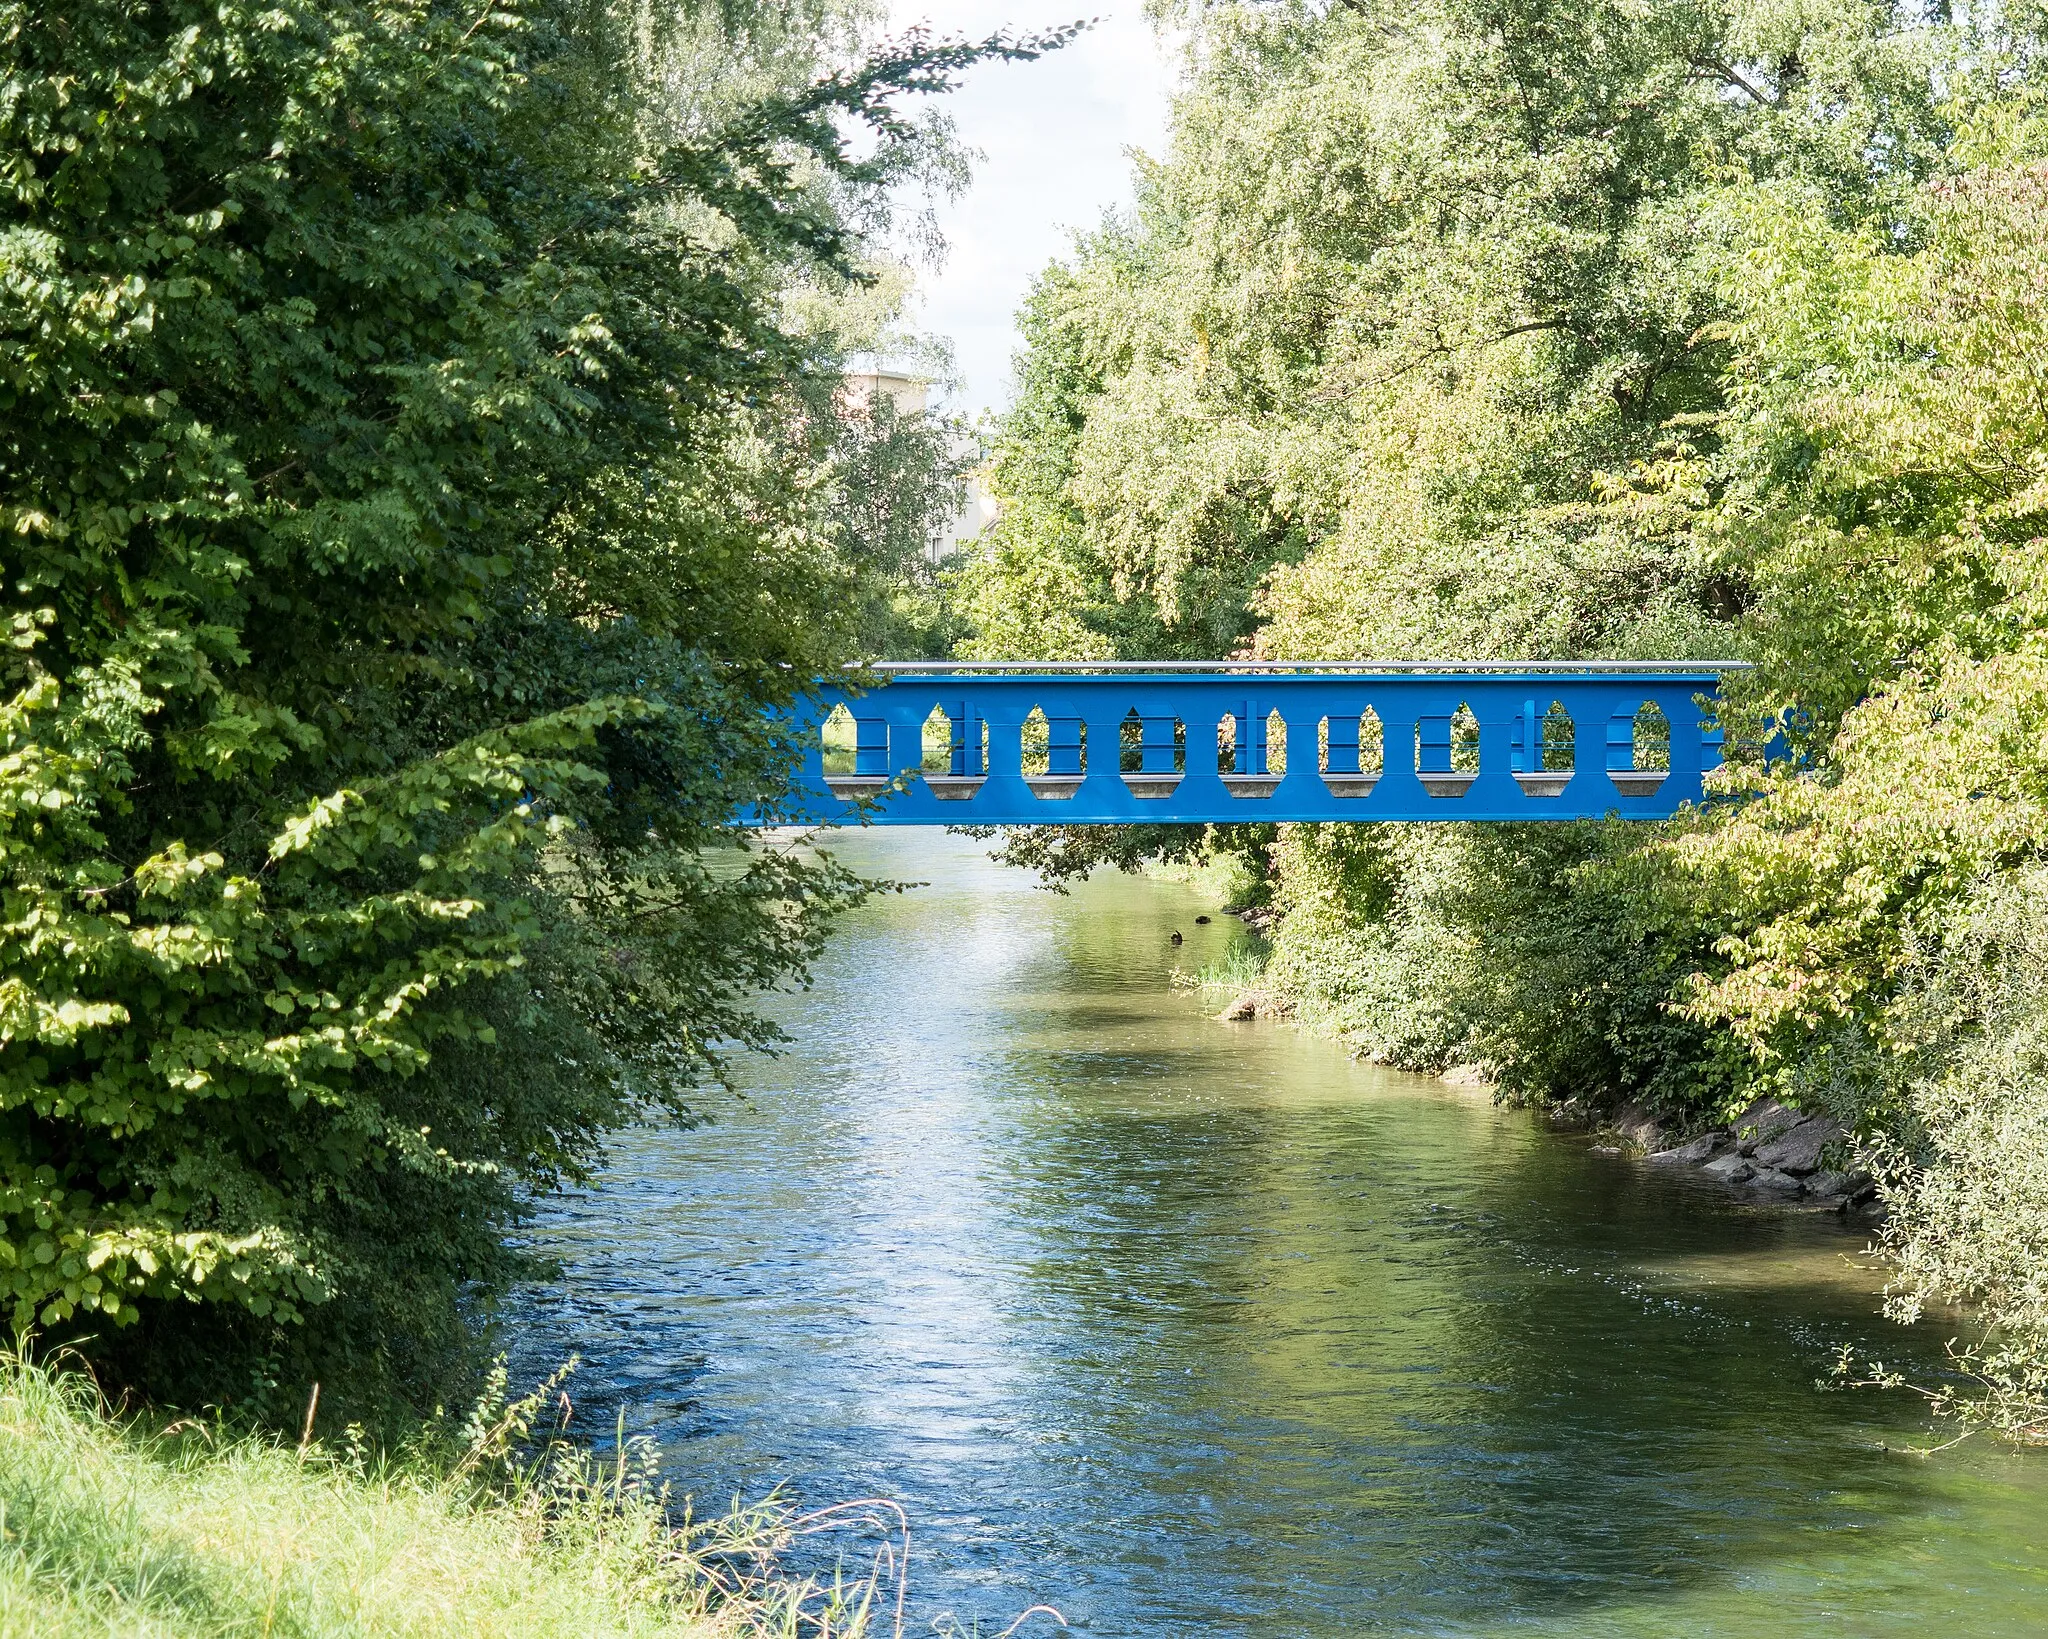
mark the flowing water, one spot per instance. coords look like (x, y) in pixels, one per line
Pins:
(1189, 1328)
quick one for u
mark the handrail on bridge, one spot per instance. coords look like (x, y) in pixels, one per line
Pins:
(1286, 668)
(1224, 741)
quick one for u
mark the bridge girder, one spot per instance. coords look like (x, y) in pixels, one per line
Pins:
(1240, 742)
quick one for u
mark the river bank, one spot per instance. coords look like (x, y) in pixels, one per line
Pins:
(179, 1528)
(1767, 1151)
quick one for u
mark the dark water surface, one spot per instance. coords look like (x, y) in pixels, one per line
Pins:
(1200, 1329)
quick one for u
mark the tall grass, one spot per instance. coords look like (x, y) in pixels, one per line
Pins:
(122, 1526)
(1242, 966)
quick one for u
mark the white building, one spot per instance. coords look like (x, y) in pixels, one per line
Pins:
(857, 391)
(911, 395)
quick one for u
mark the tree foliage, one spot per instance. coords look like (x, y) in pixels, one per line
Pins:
(901, 476)
(408, 514)
(1534, 331)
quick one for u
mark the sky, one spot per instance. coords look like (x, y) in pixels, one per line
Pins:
(1054, 134)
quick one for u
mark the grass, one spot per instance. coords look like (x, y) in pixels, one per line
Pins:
(152, 1528)
(1241, 967)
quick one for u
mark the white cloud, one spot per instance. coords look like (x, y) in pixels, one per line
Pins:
(1055, 134)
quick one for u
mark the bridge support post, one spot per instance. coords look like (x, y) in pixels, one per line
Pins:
(871, 747)
(1204, 755)
(1105, 757)
(1343, 747)
(1695, 747)
(1005, 719)
(1497, 729)
(906, 746)
(806, 720)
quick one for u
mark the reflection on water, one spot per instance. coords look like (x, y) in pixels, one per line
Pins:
(1201, 1329)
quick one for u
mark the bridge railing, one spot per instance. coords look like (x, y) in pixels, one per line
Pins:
(1136, 744)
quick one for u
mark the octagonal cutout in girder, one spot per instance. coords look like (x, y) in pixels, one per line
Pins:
(1551, 759)
(1055, 754)
(1640, 765)
(1258, 764)
(1447, 751)
(855, 754)
(1151, 753)
(955, 754)
(1227, 747)
(1350, 752)
(836, 735)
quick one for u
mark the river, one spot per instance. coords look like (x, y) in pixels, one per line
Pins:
(1190, 1328)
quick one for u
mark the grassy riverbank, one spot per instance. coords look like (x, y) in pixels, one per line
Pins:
(167, 1527)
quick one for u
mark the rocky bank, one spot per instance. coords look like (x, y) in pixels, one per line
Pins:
(1769, 1150)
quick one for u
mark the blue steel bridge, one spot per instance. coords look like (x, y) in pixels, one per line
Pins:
(1131, 743)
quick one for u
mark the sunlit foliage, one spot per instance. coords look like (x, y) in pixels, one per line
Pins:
(407, 515)
(1535, 331)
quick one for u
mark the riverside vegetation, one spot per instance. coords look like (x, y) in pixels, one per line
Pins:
(1538, 331)
(183, 1526)
(407, 516)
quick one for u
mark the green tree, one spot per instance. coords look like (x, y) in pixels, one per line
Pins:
(1418, 344)
(902, 479)
(1533, 331)
(1406, 283)
(406, 528)
(1884, 488)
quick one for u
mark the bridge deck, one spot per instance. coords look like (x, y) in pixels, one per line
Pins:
(1149, 744)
